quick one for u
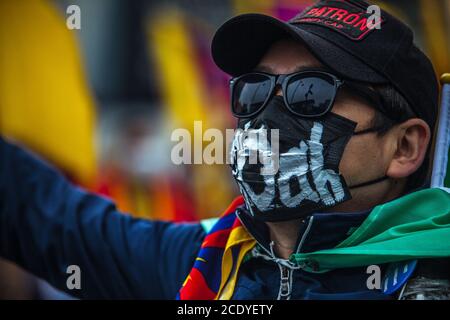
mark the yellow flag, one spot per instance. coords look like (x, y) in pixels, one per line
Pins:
(185, 96)
(44, 99)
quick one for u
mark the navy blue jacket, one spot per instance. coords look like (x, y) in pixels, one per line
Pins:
(47, 224)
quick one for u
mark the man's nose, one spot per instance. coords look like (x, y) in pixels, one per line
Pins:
(278, 90)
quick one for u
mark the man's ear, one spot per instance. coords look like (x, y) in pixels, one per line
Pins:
(410, 142)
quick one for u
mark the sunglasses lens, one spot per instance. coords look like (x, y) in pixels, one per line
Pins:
(310, 95)
(249, 93)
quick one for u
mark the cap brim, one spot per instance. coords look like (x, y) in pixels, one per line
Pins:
(240, 43)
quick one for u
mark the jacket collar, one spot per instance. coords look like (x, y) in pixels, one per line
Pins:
(317, 232)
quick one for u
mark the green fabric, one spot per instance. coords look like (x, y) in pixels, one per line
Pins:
(411, 227)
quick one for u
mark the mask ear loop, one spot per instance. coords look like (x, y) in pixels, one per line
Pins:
(368, 130)
(369, 182)
(385, 177)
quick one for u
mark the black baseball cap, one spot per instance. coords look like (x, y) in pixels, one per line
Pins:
(347, 38)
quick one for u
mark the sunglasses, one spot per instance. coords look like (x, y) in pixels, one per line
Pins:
(306, 93)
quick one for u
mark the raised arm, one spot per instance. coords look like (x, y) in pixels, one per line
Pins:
(47, 224)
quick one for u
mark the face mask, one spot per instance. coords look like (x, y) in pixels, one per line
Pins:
(300, 174)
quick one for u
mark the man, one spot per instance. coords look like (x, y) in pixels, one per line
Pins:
(355, 108)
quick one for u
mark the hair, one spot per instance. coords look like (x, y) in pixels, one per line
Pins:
(397, 110)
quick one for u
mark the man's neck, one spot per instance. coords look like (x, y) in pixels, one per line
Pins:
(284, 236)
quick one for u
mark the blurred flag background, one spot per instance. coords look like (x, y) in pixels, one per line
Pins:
(101, 102)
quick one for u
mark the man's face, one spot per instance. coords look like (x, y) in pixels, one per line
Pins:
(364, 157)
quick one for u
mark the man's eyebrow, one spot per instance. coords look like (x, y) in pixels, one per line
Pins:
(269, 69)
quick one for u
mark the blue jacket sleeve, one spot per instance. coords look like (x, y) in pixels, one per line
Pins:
(47, 224)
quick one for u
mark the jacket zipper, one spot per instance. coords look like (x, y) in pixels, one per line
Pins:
(286, 273)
